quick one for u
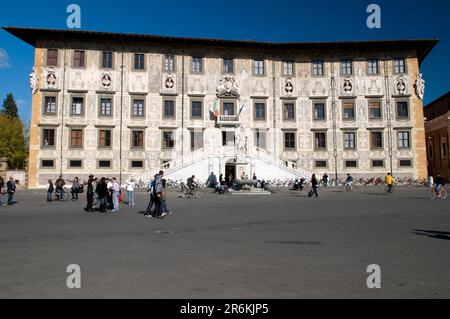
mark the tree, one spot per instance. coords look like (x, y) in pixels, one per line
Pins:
(12, 141)
(10, 106)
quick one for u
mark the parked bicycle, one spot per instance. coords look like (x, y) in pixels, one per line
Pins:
(197, 192)
(442, 194)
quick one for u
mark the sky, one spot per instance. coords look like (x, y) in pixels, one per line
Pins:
(263, 20)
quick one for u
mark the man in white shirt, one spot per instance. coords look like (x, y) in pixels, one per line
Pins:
(115, 195)
(130, 189)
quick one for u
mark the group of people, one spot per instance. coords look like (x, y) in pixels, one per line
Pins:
(157, 207)
(57, 189)
(106, 190)
(10, 190)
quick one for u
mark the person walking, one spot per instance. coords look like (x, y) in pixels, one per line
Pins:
(131, 185)
(102, 192)
(314, 184)
(109, 186)
(50, 190)
(11, 189)
(389, 180)
(255, 180)
(158, 196)
(2, 184)
(90, 195)
(115, 195)
(325, 180)
(152, 194)
(75, 188)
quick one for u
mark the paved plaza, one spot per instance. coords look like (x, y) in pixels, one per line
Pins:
(280, 246)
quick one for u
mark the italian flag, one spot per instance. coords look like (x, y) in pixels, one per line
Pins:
(215, 108)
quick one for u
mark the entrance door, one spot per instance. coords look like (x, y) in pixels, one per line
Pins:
(230, 169)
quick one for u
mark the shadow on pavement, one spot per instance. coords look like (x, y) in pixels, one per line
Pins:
(433, 234)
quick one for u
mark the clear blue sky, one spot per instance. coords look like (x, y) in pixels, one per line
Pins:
(279, 21)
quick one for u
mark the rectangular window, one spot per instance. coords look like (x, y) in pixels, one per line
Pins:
(137, 164)
(197, 65)
(346, 67)
(349, 140)
(107, 60)
(321, 164)
(399, 66)
(47, 163)
(405, 163)
(289, 140)
(377, 163)
(77, 106)
(374, 110)
(104, 164)
(320, 141)
(444, 150)
(169, 108)
(138, 108)
(168, 139)
(403, 139)
(196, 140)
(76, 138)
(196, 109)
(228, 108)
(75, 164)
(348, 109)
(376, 140)
(50, 105)
(260, 111)
(319, 111)
(402, 110)
(228, 66)
(169, 63)
(288, 68)
(79, 59)
(48, 137)
(52, 57)
(137, 139)
(105, 107)
(258, 67)
(228, 138)
(372, 67)
(139, 61)
(289, 111)
(318, 67)
(104, 138)
(351, 164)
(260, 139)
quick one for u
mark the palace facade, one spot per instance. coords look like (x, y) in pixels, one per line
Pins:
(128, 105)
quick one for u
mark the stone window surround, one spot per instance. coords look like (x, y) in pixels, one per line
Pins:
(319, 167)
(355, 140)
(260, 119)
(224, 101)
(352, 66)
(46, 58)
(381, 109)
(48, 147)
(406, 118)
(113, 61)
(348, 101)
(69, 166)
(191, 100)
(319, 101)
(72, 59)
(405, 159)
(379, 167)
(405, 66)
(192, 132)
(324, 73)
(44, 96)
(403, 130)
(293, 102)
(260, 130)
(76, 128)
(77, 95)
(133, 60)
(141, 98)
(378, 67)
(289, 131)
(173, 99)
(110, 129)
(191, 64)
(132, 147)
(351, 160)
(41, 161)
(137, 160)
(382, 139)
(233, 65)
(291, 60)
(110, 97)
(104, 160)
(162, 139)
(264, 66)
(163, 59)
(318, 131)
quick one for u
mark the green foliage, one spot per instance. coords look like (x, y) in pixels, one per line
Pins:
(12, 141)
(10, 106)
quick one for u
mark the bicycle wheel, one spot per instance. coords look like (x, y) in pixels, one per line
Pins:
(199, 193)
(443, 193)
(432, 194)
(348, 188)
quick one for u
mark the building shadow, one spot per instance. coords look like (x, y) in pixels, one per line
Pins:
(433, 234)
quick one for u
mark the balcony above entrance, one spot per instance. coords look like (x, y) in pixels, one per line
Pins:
(228, 120)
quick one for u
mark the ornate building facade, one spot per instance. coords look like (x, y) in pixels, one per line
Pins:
(121, 104)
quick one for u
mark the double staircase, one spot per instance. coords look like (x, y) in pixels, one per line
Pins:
(174, 167)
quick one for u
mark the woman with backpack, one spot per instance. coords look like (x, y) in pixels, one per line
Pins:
(50, 190)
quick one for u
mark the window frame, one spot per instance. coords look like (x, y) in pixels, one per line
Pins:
(196, 117)
(369, 67)
(100, 130)
(138, 98)
(192, 134)
(74, 66)
(255, 111)
(70, 166)
(382, 140)
(174, 65)
(224, 71)
(380, 108)
(344, 105)
(345, 147)
(285, 117)
(47, 57)
(173, 101)
(43, 138)
(344, 67)
(314, 64)
(283, 68)
(395, 66)
(71, 138)
(401, 140)
(140, 139)
(257, 138)
(259, 67)
(324, 103)
(285, 141)
(41, 162)
(104, 167)
(201, 64)
(408, 110)
(163, 140)
(44, 104)
(144, 62)
(100, 98)
(316, 146)
(83, 110)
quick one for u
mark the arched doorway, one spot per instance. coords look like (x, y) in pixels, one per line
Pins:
(230, 168)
